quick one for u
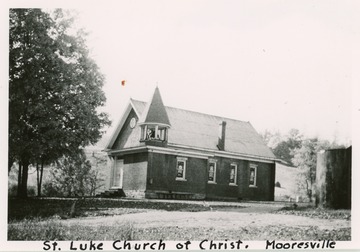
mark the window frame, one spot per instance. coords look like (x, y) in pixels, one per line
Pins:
(212, 161)
(153, 130)
(160, 133)
(235, 175)
(184, 161)
(253, 166)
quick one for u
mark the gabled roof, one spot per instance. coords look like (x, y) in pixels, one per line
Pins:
(155, 112)
(198, 130)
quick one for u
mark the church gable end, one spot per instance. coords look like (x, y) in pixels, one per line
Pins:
(129, 133)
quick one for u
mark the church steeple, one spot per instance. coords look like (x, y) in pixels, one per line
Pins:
(154, 120)
(155, 112)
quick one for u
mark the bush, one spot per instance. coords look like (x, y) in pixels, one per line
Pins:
(31, 191)
(50, 190)
(12, 190)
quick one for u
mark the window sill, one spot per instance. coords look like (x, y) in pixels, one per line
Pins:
(152, 139)
(212, 182)
(252, 186)
(232, 184)
(180, 179)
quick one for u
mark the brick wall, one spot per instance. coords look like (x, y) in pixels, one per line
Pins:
(162, 174)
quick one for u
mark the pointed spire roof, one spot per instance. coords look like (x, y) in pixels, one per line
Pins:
(155, 112)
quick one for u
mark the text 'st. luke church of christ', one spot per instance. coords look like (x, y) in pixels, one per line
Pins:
(164, 152)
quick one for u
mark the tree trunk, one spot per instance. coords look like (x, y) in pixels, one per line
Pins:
(10, 163)
(39, 177)
(24, 178)
(309, 191)
(19, 179)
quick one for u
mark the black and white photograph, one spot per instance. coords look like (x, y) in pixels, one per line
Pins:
(180, 125)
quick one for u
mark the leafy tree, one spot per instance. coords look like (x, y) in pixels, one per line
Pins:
(294, 139)
(98, 163)
(272, 139)
(72, 175)
(305, 159)
(54, 91)
(284, 149)
(283, 152)
(283, 146)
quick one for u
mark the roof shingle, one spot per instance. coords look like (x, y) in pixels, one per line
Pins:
(154, 111)
(200, 130)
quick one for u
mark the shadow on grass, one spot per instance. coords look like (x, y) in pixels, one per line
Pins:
(42, 208)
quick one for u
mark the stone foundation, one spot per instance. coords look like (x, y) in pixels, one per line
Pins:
(137, 194)
(173, 195)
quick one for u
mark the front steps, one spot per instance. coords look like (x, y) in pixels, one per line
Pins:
(112, 193)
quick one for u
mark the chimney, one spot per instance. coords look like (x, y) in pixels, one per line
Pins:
(221, 140)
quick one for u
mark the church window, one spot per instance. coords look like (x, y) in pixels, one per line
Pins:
(153, 132)
(233, 174)
(253, 171)
(181, 168)
(212, 172)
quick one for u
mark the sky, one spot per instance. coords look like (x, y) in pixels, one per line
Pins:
(277, 64)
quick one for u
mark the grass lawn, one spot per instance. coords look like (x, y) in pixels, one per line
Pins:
(49, 219)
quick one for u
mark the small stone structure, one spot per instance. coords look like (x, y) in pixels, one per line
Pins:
(333, 178)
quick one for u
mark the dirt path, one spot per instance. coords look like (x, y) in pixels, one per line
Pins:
(222, 216)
